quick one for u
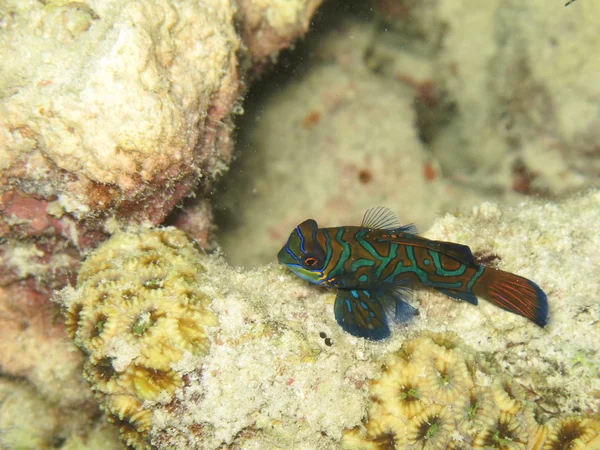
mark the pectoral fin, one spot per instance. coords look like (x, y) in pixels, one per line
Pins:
(368, 314)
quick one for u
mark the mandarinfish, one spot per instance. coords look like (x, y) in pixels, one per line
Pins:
(373, 266)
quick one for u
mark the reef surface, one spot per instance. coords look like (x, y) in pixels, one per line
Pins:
(280, 372)
(113, 112)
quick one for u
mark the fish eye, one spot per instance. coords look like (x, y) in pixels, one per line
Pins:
(310, 261)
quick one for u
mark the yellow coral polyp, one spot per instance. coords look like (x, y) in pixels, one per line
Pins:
(446, 378)
(89, 335)
(506, 434)
(537, 436)
(384, 427)
(399, 392)
(447, 339)
(411, 352)
(431, 429)
(129, 408)
(137, 309)
(72, 317)
(458, 445)
(508, 396)
(354, 440)
(102, 376)
(478, 411)
(193, 337)
(148, 384)
(574, 433)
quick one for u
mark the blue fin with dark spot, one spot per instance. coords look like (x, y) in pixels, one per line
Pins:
(464, 296)
(367, 314)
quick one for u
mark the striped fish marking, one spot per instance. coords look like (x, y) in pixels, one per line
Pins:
(374, 265)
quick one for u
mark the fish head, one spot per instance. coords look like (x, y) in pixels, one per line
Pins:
(303, 254)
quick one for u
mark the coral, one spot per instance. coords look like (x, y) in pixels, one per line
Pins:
(196, 218)
(573, 433)
(540, 249)
(504, 104)
(136, 114)
(461, 411)
(268, 26)
(29, 420)
(137, 311)
(245, 389)
(18, 399)
(137, 110)
(270, 380)
(34, 347)
(509, 105)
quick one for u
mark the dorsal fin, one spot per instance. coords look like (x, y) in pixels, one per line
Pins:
(461, 253)
(458, 251)
(409, 228)
(382, 218)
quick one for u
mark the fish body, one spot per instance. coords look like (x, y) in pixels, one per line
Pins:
(374, 265)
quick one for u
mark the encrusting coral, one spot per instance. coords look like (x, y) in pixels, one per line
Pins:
(436, 393)
(137, 310)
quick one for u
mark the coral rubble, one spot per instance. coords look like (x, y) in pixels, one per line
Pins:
(268, 26)
(31, 420)
(409, 110)
(136, 116)
(138, 308)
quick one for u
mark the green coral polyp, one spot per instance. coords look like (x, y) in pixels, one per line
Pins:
(142, 324)
(100, 325)
(472, 410)
(432, 430)
(501, 440)
(409, 394)
(154, 283)
(444, 379)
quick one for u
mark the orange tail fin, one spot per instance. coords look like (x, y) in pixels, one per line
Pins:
(513, 293)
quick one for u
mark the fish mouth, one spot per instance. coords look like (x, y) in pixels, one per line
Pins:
(283, 257)
(308, 275)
